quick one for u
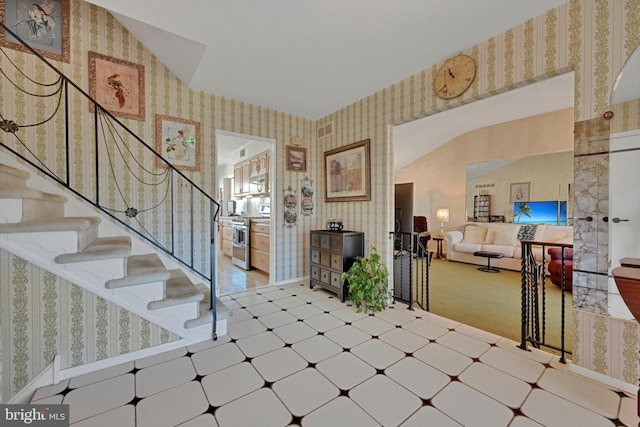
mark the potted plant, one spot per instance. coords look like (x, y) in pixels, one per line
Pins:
(368, 280)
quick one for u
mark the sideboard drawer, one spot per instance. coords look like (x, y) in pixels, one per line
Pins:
(315, 272)
(336, 261)
(315, 256)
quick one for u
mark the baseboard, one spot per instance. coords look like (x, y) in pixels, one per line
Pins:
(304, 280)
(44, 378)
(612, 382)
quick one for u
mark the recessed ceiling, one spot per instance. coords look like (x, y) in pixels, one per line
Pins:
(312, 57)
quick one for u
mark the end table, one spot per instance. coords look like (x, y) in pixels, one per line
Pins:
(438, 240)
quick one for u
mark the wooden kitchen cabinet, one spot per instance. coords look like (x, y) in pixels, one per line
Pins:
(332, 253)
(227, 237)
(260, 244)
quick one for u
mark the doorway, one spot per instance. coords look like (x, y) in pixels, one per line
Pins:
(252, 156)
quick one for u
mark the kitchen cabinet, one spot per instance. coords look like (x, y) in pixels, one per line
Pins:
(332, 253)
(260, 245)
(243, 171)
(237, 179)
(227, 237)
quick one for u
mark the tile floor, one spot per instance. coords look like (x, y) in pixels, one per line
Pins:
(232, 278)
(296, 356)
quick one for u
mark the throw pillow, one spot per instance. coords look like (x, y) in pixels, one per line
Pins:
(505, 238)
(527, 232)
(474, 235)
(551, 235)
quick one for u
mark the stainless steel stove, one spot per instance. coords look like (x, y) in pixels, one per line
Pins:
(241, 242)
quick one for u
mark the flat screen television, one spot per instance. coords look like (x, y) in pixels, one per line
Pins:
(231, 207)
(551, 212)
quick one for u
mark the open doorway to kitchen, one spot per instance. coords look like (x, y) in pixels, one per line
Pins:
(244, 166)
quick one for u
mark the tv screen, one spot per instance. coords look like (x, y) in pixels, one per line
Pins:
(552, 212)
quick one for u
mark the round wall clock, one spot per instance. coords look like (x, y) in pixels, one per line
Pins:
(455, 76)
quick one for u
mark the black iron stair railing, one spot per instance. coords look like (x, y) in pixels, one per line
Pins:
(411, 265)
(144, 193)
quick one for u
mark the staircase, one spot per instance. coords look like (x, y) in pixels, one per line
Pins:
(102, 257)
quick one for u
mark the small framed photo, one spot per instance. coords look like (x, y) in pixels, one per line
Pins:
(43, 24)
(117, 85)
(296, 158)
(178, 141)
(347, 173)
(520, 192)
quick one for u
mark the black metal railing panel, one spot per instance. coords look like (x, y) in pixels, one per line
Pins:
(534, 325)
(411, 264)
(98, 158)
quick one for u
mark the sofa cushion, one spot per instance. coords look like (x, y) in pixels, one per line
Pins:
(468, 248)
(474, 235)
(506, 251)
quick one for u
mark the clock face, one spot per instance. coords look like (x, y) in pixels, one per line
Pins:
(455, 76)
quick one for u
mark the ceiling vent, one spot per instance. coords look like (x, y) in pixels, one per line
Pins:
(325, 130)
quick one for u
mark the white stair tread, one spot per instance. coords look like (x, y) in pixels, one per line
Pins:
(100, 249)
(222, 312)
(53, 224)
(178, 290)
(141, 269)
(17, 192)
(9, 170)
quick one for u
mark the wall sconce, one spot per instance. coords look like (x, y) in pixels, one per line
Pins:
(442, 215)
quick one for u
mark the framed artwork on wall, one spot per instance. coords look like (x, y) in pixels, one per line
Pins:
(117, 85)
(347, 172)
(296, 158)
(520, 192)
(42, 24)
(178, 141)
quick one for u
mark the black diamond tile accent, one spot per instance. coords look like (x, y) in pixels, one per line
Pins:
(211, 410)
(344, 393)
(408, 354)
(311, 365)
(248, 359)
(296, 420)
(65, 391)
(426, 402)
(199, 378)
(135, 370)
(320, 333)
(232, 340)
(288, 345)
(135, 401)
(309, 302)
(327, 312)
(454, 378)
(268, 384)
(398, 326)
(475, 359)
(517, 412)
(380, 371)
(269, 329)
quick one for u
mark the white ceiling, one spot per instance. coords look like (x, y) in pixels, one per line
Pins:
(311, 57)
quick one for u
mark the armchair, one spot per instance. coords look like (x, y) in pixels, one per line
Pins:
(422, 236)
(555, 267)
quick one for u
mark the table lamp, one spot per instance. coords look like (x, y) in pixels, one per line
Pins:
(442, 215)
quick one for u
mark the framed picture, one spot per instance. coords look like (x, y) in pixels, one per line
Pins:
(178, 141)
(347, 173)
(520, 192)
(42, 24)
(117, 85)
(296, 158)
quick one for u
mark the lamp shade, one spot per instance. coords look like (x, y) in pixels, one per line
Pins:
(442, 215)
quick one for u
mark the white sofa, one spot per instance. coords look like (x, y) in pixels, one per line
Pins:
(501, 238)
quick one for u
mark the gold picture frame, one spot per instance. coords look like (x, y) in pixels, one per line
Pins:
(296, 158)
(42, 24)
(520, 192)
(117, 85)
(347, 172)
(178, 142)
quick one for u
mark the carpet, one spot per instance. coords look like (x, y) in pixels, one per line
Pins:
(492, 301)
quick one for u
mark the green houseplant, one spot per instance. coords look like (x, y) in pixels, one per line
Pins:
(368, 280)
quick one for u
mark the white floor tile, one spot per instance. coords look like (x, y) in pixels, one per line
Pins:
(289, 302)
(164, 376)
(442, 358)
(123, 416)
(294, 332)
(216, 358)
(429, 416)
(240, 315)
(316, 349)
(378, 354)
(502, 387)
(100, 397)
(521, 421)
(323, 322)
(277, 319)
(101, 375)
(386, 401)
(340, 412)
(207, 344)
(248, 300)
(629, 412)
(245, 328)
(396, 316)
(316, 295)
(479, 334)
(204, 420)
(582, 392)
(442, 321)
(513, 364)
(347, 336)
(330, 304)
(532, 353)
(304, 311)
(305, 391)
(418, 377)
(348, 314)
(50, 400)
(463, 344)
(553, 411)
(172, 407)
(345, 370)
(160, 357)
(275, 294)
(50, 390)
(266, 410)
(263, 309)
(471, 408)
(404, 340)
(258, 344)
(425, 329)
(278, 364)
(231, 383)
(373, 326)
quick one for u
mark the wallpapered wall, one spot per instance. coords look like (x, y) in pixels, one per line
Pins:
(592, 37)
(43, 316)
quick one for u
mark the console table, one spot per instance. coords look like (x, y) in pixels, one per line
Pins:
(332, 253)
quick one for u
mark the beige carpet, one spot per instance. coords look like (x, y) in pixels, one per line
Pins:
(492, 301)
